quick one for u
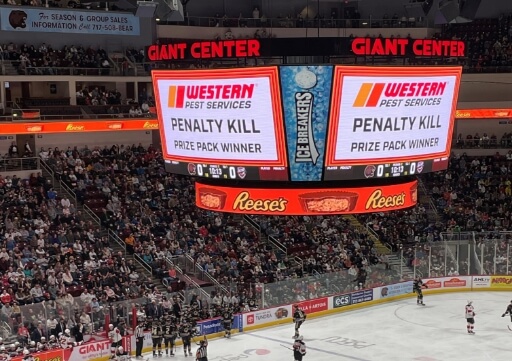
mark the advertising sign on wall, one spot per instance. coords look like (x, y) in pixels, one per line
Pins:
(39, 20)
(215, 325)
(267, 315)
(361, 296)
(481, 281)
(306, 91)
(393, 290)
(283, 201)
(341, 300)
(348, 47)
(391, 114)
(501, 281)
(316, 305)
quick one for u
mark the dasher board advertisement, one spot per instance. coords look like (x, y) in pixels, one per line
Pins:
(389, 121)
(223, 123)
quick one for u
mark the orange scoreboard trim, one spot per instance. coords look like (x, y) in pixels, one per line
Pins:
(272, 72)
(308, 201)
(368, 96)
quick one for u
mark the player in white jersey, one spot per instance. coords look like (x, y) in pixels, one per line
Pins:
(470, 317)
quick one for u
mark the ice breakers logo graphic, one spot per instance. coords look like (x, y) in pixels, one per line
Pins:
(179, 95)
(306, 147)
(371, 95)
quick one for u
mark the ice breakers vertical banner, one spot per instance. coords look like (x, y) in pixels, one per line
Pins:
(62, 21)
(394, 114)
(229, 116)
(306, 96)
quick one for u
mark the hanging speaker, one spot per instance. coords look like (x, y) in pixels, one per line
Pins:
(470, 8)
(448, 12)
(418, 8)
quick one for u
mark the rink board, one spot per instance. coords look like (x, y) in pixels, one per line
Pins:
(314, 308)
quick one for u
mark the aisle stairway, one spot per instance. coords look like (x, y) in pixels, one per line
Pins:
(425, 200)
(394, 260)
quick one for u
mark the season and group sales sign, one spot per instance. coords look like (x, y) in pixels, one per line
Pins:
(219, 123)
(389, 115)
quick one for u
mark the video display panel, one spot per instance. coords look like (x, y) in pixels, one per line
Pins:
(306, 123)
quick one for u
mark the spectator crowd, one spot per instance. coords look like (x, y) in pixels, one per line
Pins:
(58, 265)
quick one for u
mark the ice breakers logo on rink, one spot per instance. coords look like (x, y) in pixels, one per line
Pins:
(371, 95)
(228, 96)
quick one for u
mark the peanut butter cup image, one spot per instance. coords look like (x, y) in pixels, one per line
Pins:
(414, 193)
(212, 198)
(328, 202)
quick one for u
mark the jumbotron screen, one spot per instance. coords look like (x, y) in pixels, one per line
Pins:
(306, 123)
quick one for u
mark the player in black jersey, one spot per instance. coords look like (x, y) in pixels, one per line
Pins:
(252, 304)
(418, 289)
(170, 334)
(186, 337)
(508, 311)
(156, 335)
(227, 321)
(299, 317)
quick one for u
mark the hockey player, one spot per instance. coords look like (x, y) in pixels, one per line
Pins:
(202, 351)
(417, 288)
(27, 356)
(299, 316)
(53, 344)
(170, 334)
(186, 337)
(42, 345)
(227, 321)
(508, 311)
(115, 338)
(470, 317)
(4, 355)
(12, 350)
(156, 335)
(299, 349)
(32, 347)
(121, 354)
(65, 339)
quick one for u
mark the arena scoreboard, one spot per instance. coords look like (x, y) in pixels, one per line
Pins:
(306, 123)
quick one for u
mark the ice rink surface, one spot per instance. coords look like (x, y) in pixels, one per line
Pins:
(398, 331)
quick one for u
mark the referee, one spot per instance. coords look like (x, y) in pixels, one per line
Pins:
(202, 353)
(139, 339)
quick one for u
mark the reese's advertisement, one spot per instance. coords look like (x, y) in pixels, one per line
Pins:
(291, 202)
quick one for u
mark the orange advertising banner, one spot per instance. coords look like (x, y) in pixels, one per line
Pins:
(313, 201)
(111, 125)
(483, 113)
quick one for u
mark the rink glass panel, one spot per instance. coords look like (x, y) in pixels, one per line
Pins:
(461, 253)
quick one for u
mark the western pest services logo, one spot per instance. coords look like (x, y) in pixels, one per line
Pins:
(193, 96)
(393, 94)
